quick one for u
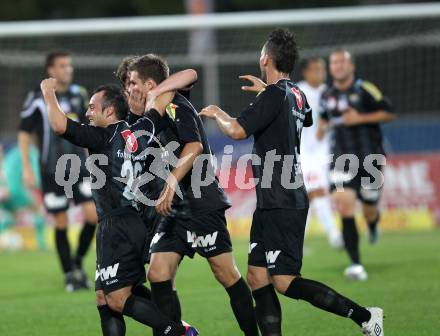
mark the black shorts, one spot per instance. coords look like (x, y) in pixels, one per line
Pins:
(276, 240)
(152, 220)
(54, 197)
(121, 250)
(206, 234)
(360, 181)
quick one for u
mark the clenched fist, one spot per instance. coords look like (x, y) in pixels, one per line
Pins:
(48, 85)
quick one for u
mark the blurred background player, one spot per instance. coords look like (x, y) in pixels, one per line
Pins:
(73, 100)
(15, 199)
(354, 108)
(314, 152)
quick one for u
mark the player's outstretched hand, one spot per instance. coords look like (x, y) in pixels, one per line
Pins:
(210, 111)
(136, 102)
(48, 85)
(257, 84)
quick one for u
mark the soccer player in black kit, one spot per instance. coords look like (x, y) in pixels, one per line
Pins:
(138, 101)
(275, 119)
(74, 99)
(352, 109)
(195, 223)
(121, 238)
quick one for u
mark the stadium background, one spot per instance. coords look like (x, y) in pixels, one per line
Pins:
(398, 48)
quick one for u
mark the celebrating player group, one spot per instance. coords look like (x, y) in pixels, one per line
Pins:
(157, 198)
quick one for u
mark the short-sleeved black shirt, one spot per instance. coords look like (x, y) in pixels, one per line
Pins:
(34, 120)
(125, 161)
(183, 125)
(361, 140)
(275, 119)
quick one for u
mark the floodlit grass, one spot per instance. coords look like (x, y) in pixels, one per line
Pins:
(404, 270)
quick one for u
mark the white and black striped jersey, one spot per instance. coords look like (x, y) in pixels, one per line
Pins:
(34, 120)
(361, 140)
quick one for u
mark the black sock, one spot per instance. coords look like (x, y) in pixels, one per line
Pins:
(178, 308)
(268, 311)
(142, 291)
(63, 249)
(325, 298)
(243, 307)
(112, 323)
(146, 312)
(373, 224)
(351, 239)
(162, 294)
(85, 239)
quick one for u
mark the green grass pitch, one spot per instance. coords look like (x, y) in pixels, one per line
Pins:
(404, 271)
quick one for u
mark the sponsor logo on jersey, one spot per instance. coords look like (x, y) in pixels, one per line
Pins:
(76, 101)
(130, 140)
(271, 256)
(299, 100)
(252, 246)
(331, 103)
(107, 273)
(201, 241)
(343, 103)
(353, 98)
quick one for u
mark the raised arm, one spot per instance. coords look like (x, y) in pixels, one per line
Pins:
(56, 116)
(177, 81)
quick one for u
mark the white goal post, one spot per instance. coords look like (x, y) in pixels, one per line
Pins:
(220, 20)
(396, 46)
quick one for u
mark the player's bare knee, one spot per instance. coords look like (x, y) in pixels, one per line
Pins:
(100, 298)
(61, 220)
(159, 274)
(256, 280)
(89, 210)
(227, 276)
(370, 213)
(116, 302)
(282, 282)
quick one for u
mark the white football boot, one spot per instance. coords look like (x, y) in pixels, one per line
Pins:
(356, 272)
(374, 327)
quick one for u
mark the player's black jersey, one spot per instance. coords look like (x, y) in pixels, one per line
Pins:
(275, 120)
(183, 125)
(124, 150)
(361, 140)
(34, 119)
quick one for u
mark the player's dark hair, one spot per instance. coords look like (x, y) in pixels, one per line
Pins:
(342, 51)
(281, 46)
(114, 97)
(309, 60)
(122, 71)
(150, 66)
(52, 57)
